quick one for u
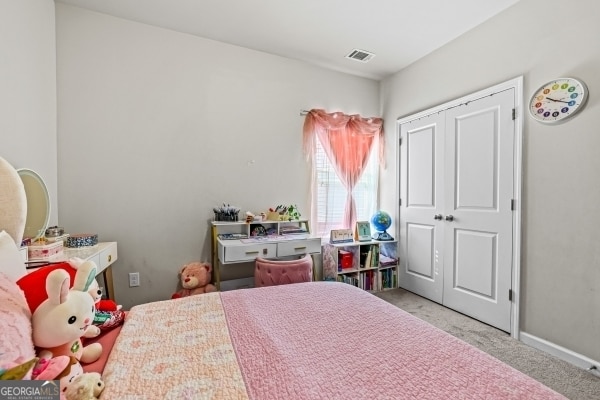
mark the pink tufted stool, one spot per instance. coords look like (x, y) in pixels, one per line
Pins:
(281, 272)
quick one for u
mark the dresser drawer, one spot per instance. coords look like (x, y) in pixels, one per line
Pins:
(24, 253)
(299, 247)
(107, 256)
(248, 252)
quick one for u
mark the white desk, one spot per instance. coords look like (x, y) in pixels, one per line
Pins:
(237, 251)
(240, 251)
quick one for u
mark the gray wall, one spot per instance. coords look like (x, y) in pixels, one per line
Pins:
(28, 90)
(560, 280)
(158, 127)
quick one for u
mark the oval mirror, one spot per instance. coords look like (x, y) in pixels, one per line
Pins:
(38, 204)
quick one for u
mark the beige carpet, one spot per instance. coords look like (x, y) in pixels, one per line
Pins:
(565, 378)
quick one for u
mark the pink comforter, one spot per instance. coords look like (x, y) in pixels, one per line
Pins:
(328, 340)
(320, 340)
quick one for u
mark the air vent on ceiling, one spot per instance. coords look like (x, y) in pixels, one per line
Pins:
(360, 55)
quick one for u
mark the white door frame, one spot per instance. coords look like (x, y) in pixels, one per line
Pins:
(517, 84)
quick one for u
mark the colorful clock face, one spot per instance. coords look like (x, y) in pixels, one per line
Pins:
(557, 100)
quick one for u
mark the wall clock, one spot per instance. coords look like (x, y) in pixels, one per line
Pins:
(558, 100)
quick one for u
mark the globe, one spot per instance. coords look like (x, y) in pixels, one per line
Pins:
(381, 221)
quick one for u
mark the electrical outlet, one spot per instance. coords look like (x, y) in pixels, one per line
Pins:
(134, 279)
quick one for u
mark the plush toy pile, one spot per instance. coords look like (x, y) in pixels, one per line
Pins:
(194, 279)
(108, 313)
(63, 316)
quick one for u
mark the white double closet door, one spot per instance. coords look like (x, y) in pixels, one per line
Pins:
(456, 219)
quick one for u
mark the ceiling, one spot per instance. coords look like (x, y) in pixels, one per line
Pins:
(319, 32)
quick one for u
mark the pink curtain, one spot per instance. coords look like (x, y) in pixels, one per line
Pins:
(347, 141)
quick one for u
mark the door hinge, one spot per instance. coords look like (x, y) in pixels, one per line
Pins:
(512, 204)
(399, 141)
(510, 295)
(399, 202)
(514, 114)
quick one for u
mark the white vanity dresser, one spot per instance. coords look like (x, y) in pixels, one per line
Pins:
(103, 254)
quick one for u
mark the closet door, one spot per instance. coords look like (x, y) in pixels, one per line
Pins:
(456, 223)
(478, 216)
(421, 238)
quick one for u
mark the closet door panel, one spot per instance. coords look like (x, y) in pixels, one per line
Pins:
(476, 261)
(476, 155)
(479, 188)
(421, 235)
(421, 167)
(421, 249)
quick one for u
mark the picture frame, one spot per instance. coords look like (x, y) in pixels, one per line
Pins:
(341, 236)
(362, 232)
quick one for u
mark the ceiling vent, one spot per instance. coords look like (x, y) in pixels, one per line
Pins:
(360, 55)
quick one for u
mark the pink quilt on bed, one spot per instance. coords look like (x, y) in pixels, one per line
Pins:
(319, 340)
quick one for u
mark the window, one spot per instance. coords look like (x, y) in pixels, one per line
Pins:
(345, 151)
(331, 194)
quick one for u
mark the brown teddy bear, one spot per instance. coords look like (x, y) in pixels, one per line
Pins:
(195, 279)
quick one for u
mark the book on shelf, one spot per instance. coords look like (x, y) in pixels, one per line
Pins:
(344, 259)
(369, 257)
(368, 280)
(388, 278)
(375, 256)
(363, 256)
(348, 279)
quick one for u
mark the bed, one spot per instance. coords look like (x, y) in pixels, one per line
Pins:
(313, 340)
(318, 340)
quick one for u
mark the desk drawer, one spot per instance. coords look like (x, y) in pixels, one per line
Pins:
(250, 252)
(299, 247)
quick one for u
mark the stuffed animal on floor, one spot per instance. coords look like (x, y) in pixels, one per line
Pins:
(87, 386)
(59, 323)
(194, 279)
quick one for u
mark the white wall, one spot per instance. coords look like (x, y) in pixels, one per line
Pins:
(539, 39)
(158, 127)
(28, 89)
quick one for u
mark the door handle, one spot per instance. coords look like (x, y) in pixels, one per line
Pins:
(437, 217)
(449, 218)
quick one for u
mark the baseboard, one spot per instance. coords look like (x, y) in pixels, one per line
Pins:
(567, 355)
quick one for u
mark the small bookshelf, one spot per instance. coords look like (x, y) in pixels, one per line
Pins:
(371, 266)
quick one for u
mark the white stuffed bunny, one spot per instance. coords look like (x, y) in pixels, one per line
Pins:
(62, 319)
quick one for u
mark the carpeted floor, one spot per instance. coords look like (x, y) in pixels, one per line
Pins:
(565, 378)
